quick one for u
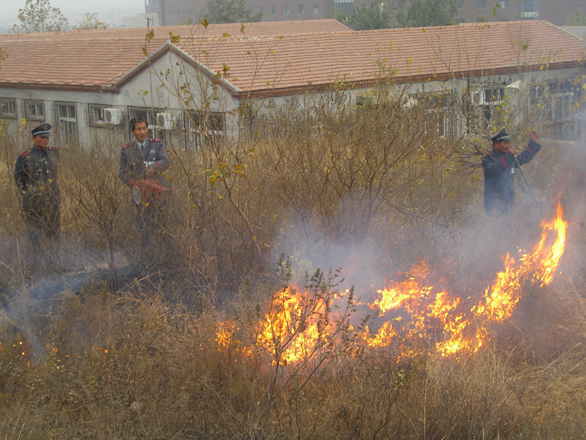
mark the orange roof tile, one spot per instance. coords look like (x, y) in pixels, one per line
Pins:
(298, 60)
(263, 62)
(100, 57)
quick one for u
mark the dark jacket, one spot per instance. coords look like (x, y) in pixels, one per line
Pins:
(499, 176)
(132, 162)
(35, 173)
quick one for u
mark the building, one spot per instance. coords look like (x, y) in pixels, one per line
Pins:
(174, 12)
(204, 83)
(553, 11)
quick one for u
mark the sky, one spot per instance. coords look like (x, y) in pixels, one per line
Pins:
(108, 10)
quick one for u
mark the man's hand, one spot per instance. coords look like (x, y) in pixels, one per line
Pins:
(513, 151)
(534, 135)
(149, 172)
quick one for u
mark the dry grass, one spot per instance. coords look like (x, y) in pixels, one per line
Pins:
(137, 356)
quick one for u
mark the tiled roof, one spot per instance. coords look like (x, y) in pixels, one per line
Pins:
(100, 57)
(293, 61)
(288, 60)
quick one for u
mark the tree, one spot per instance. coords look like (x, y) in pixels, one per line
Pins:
(89, 21)
(231, 11)
(373, 15)
(576, 19)
(428, 13)
(40, 16)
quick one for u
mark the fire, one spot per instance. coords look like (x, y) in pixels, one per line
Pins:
(418, 313)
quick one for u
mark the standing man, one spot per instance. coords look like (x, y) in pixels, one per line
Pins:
(35, 173)
(499, 170)
(142, 164)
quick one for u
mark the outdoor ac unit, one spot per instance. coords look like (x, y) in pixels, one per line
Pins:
(113, 116)
(165, 121)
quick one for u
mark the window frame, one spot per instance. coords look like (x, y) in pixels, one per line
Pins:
(92, 122)
(27, 107)
(66, 135)
(8, 115)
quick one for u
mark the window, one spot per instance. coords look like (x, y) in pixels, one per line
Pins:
(34, 110)
(196, 129)
(461, 4)
(315, 9)
(66, 120)
(559, 101)
(260, 9)
(7, 108)
(503, 3)
(95, 115)
(286, 10)
(481, 4)
(529, 9)
(273, 10)
(300, 9)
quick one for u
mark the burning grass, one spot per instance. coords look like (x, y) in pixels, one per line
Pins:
(474, 340)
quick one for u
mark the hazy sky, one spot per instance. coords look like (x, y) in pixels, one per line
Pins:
(74, 9)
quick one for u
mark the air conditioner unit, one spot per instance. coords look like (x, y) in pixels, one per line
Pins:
(113, 116)
(165, 121)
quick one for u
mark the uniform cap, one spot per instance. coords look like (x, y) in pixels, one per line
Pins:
(502, 135)
(43, 130)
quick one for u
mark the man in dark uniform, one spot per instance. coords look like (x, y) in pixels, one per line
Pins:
(35, 173)
(142, 166)
(499, 170)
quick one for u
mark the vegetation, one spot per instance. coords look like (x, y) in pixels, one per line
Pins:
(183, 339)
(373, 15)
(576, 19)
(420, 13)
(40, 16)
(230, 11)
(89, 21)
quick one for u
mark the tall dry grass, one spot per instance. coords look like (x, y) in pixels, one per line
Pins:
(132, 348)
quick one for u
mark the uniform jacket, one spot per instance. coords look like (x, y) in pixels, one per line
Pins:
(133, 163)
(499, 176)
(35, 173)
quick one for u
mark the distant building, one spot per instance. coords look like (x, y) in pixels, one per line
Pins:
(141, 21)
(212, 81)
(553, 11)
(174, 12)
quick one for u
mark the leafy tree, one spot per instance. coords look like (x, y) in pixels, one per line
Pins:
(373, 15)
(89, 21)
(230, 11)
(40, 16)
(428, 13)
(576, 19)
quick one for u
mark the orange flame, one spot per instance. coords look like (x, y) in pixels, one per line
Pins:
(417, 316)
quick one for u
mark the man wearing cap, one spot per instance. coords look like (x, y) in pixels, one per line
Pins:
(35, 173)
(142, 165)
(499, 170)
